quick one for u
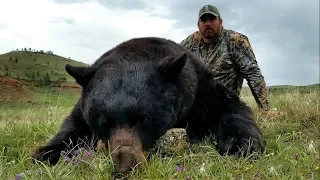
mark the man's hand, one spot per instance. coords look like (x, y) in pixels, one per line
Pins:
(270, 113)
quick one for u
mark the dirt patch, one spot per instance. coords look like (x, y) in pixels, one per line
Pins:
(23, 91)
(13, 90)
(9, 81)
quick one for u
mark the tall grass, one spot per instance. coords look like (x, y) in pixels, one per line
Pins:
(293, 143)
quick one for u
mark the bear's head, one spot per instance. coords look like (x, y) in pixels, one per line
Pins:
(130, 103)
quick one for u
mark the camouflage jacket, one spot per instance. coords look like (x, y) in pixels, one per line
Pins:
(232, 59)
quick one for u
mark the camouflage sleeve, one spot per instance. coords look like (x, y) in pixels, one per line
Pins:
(186, 42)
(250, 70)
(190, 40)
(183, 42)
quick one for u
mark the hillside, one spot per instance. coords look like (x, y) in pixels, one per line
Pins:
(27, 76)
(292, 89)
(282, 89)
(36, 67)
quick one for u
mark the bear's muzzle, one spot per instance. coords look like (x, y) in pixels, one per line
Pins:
(126, 150)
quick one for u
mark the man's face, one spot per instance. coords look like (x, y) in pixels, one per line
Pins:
(209, 26)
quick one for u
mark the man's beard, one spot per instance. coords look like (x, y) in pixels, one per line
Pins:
(212, 34)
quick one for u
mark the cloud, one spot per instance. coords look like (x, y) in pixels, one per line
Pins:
(82, 30)
(284, 35)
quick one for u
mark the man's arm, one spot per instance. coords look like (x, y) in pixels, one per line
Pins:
(190, 40)
(186, 42)
(183, 42)
(250, 70)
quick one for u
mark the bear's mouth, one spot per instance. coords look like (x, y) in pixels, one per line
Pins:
(126, 150)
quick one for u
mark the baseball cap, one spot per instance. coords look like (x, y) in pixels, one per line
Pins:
(209, 9)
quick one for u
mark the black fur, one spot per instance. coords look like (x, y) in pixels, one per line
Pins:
(151, 85)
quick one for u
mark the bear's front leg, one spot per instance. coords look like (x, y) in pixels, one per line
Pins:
(237, 132)
(74, 129)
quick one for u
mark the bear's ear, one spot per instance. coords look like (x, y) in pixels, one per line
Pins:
(82, 75)
(171, 65)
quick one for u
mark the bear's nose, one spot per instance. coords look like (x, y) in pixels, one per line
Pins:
(126, 149)
(124, 159)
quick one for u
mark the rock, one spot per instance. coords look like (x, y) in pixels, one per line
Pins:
(174, 141)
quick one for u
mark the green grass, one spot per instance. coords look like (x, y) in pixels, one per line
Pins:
(45, 97)
(24, 126)
(30, 63)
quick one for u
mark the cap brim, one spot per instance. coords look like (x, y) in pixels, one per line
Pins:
(215, 14)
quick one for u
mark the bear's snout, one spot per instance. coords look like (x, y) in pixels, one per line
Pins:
(125, 158)
(126, 150)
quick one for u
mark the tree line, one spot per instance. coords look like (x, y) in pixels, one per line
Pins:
(33, 50)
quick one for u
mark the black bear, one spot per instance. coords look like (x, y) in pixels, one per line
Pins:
(143, 87)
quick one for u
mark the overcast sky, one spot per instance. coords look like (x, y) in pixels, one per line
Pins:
(284, 33)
